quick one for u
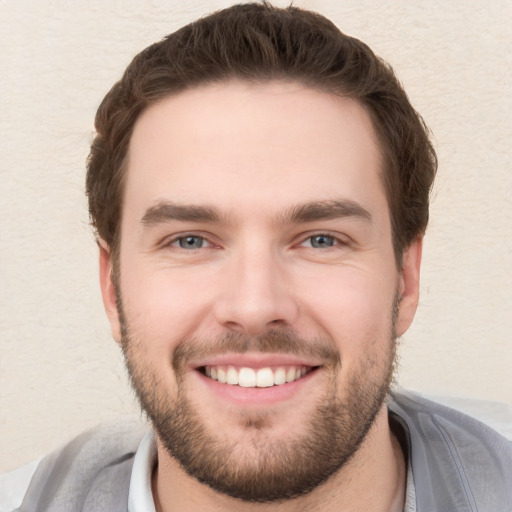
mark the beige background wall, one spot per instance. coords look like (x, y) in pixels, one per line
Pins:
(59, 370)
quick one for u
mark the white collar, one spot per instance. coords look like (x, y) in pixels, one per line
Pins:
(140, 497)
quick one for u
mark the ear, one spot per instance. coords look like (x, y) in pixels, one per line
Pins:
(409, 285)
(108, 290)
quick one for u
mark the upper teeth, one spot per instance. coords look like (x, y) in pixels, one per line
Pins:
(251, 378)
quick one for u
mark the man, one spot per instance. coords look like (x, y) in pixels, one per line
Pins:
(259, 185)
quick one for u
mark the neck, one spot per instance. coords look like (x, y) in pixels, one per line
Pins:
(373, 480)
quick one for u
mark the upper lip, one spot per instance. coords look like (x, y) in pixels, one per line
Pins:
(255, 360)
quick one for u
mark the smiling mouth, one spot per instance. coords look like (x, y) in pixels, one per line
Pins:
(256, 377)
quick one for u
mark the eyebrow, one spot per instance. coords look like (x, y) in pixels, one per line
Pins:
(166, 211)
(324, 210)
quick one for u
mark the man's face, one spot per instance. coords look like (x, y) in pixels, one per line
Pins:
(256, 249)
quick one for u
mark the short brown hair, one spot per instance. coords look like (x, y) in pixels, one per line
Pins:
(259, 42)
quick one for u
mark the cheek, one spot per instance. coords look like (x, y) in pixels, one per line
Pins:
(163, 306)
(354, 307)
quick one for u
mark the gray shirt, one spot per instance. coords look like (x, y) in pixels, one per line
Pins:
(455, 463)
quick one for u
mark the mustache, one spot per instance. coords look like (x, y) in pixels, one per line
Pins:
(274, 341)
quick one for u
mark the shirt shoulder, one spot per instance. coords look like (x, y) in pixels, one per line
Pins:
(496, 415)
(14, 484)
(459, 462)
(89, 467)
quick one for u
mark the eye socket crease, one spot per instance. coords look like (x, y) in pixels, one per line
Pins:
(310, 212)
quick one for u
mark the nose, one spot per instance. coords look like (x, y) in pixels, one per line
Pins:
(256, 294)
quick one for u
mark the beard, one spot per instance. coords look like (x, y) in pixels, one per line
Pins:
(258, 467)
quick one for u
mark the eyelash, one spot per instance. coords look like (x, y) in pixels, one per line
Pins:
(175, 241)
(337, 241)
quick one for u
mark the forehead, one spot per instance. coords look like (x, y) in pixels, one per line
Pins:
(241, 144)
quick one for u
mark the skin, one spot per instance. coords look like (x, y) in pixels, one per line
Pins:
(253, 153)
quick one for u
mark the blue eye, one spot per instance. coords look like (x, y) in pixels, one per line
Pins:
(191, 242)
(321, 241)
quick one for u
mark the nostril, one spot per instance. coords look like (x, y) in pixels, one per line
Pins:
(277, 322)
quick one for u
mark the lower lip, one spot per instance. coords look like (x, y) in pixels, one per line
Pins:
(256, 396)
